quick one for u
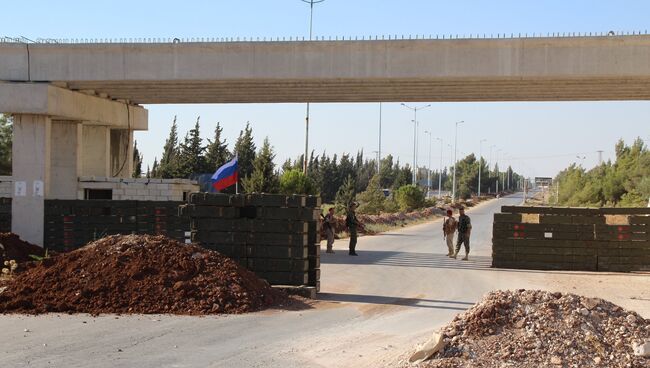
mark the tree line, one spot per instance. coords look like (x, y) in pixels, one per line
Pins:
(622, 183)
(337, 178)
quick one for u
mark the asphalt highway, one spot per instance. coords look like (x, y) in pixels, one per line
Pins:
(372, 310)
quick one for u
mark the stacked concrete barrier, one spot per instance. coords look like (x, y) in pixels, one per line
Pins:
(5, 215)
(275, 236)
(588, 239)
(70, 224)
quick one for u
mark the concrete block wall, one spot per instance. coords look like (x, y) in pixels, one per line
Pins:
(70, 224)
(140, 189)
(6, 186)
(584, 239)
(275, 236)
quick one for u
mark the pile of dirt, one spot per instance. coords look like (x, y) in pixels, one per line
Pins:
(138, 274)
(541, 329)
(13, 248)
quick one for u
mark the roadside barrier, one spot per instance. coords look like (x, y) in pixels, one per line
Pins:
(585, 239)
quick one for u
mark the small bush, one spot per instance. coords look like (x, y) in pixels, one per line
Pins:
(409, 197)
(295, 182)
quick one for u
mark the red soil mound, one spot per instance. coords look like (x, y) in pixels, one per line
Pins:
(138, 274)
(13, 248)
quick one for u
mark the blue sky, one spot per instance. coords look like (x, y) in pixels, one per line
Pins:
(536, 138)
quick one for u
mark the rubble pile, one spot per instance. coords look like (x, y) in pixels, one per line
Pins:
(138, 274)
(16, 249)
(526, 328)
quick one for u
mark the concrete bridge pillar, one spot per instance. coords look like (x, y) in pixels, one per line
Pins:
(31, 154)
(60, 135)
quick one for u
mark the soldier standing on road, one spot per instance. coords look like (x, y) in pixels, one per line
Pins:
(352, 223)
(448, 230)
(329, 229)
(464, 232)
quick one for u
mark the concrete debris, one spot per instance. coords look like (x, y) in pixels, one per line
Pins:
(528, 328)
(434, 345)
(642, 350)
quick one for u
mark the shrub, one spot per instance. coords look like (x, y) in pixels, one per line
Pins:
(295, 182)
(409, 197)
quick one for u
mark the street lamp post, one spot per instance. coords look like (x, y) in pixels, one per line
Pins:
(415, 136)
(453, 189)
(440, 170)
(379, 153)
(497, 170)
(429, 168)
(480, 153)
(311, 22)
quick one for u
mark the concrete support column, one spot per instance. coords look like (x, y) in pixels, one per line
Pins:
(121, 153)
(31, 175)
(96, 148)
(66, 157)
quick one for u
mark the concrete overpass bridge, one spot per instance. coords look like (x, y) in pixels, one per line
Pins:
(75, 106)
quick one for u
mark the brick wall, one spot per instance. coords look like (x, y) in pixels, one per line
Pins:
(140, 189)
(588, 239)
(6, 186)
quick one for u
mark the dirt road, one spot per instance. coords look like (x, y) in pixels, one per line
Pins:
(373, 308)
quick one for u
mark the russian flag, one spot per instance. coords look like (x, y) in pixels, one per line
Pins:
(226, 175)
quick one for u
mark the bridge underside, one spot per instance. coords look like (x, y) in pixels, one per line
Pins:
(372, 90)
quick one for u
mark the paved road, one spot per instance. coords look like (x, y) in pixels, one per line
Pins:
(374, 308)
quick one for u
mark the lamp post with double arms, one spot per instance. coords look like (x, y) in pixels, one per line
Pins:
(453, 189)
(480, 164)
(440, 169)
(415, 110)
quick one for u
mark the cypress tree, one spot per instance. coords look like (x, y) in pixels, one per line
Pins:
(5, 144)
(217, 150)
(190, 158)
(137, 161)
(264, 178)
(245, 151)
(168, 166)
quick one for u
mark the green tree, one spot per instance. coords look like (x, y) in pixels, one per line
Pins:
(386, 172)
(295, 182)
(346, 194)
(217, 152)
(168, 166)
(154, 169)
(409, 197)
(191, 158)
(371, 201)
(264, 178)
(6, 131)
(137, 161)
(245, 151)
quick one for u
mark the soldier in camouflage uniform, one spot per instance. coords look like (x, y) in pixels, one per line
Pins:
(464, 232)
(352, 224)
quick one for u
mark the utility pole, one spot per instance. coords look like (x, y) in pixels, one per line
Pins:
(379, 153)
(311, 22)
(415, 136)
(429, 166)
(497, 171)
(453, 189)
(440, 170)
(480, 157)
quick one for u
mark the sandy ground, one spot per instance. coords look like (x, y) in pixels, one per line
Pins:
(373, 309)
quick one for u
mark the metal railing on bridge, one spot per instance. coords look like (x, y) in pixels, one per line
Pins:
(391, 37)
